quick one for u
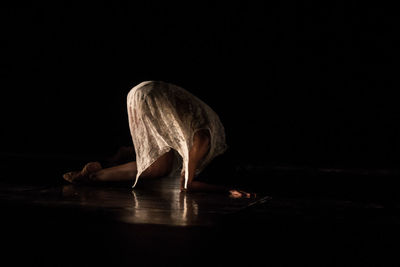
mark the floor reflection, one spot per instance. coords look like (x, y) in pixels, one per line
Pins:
(158, 202)
(172, 207)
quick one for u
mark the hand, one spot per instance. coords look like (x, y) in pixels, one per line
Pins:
(235, 193)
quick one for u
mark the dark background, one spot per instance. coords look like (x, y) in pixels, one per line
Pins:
(294, 82)
(310, 82)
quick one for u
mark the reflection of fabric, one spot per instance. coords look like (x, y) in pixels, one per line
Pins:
(164, 116)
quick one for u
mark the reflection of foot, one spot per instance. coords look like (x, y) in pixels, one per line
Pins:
(84, 175)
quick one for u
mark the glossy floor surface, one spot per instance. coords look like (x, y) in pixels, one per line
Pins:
(159, 202)
(48, 222)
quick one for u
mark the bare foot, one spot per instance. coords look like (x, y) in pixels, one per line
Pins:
(85, 175)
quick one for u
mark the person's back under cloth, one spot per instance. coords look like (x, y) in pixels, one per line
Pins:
(171, 130)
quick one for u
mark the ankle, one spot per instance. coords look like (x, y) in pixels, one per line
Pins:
(94, 177)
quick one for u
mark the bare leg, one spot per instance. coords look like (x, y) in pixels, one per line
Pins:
(161, 167)
(120, 173)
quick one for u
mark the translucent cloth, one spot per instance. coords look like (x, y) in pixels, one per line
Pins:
(164, 116)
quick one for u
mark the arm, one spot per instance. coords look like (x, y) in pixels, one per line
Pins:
(205, 187)
(197, 186)
(199, 149)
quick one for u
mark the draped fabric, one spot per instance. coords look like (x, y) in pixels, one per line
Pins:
(164, 116)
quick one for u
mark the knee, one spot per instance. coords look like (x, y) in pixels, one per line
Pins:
(161, 167)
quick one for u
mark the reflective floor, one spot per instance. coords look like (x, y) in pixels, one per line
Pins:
(158, 202)
(58, 224)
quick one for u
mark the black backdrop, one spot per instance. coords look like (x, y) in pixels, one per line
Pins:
(304, 82)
